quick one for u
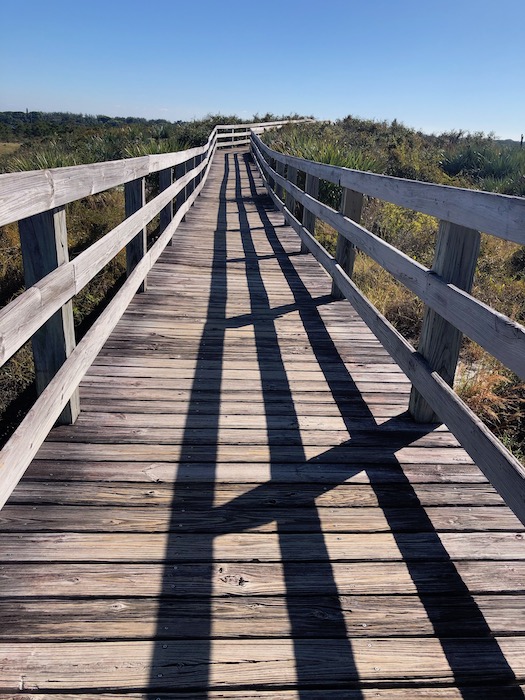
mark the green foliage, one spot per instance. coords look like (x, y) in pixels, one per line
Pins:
(53, 140)
(320, 142)
(487, 165)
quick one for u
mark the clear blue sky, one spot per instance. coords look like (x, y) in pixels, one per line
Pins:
(435, 66)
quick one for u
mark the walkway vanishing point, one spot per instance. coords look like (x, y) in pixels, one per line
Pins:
(244, 509)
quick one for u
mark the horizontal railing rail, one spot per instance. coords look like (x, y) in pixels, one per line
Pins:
(451, 309)
(43, 312)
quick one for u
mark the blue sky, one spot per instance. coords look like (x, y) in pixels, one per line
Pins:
(434, 66)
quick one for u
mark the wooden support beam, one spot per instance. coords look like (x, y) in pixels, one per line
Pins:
(135, 199)
(166, 214)
(190, 164)
(279, 191)
(290, 201)
(271, 181)
(180, 171)
(351, 207)
(43, 240)
(455, 259)
(311, 187)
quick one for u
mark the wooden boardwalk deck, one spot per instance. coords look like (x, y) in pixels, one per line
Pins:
(243, 509)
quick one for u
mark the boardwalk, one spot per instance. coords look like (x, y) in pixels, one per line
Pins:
(243, 509)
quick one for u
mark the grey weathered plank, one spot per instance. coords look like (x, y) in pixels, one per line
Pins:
(429, 488)
(271, 663)
(36, 619)
(148, 519)
(153, 547)
(66, 580)
(431, 692)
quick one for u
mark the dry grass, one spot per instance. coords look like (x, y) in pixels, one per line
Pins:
(7, 149)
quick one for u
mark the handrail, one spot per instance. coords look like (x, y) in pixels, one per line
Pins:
(501, 336)
(498, 214)
(36, 199)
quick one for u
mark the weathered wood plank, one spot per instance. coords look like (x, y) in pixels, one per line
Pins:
(350, 455)
(123, 547)
(413, 693)
(117, 434)
(245, 578)
(269, 663)
(96, 518)
(424, 490)
(324, 472)
(35, 619)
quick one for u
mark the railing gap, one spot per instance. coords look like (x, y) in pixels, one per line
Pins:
(311, 187)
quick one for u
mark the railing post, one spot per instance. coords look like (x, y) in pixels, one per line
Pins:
(180, 169)
(279, 167)
(455, 259)
(351, 207)
(43, 240)
(166, 214)
(188, 166)
(193, 182)
(135, 199)
(311, 187)
(271, 181)
(290, 201)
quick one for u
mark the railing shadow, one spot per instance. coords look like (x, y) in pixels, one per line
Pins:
(192, 666)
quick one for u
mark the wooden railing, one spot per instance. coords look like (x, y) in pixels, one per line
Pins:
(43, 313)
(451, 311)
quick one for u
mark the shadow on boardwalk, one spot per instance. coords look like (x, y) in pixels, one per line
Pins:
(194, 666)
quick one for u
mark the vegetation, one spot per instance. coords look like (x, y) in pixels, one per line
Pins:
(454, 158)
